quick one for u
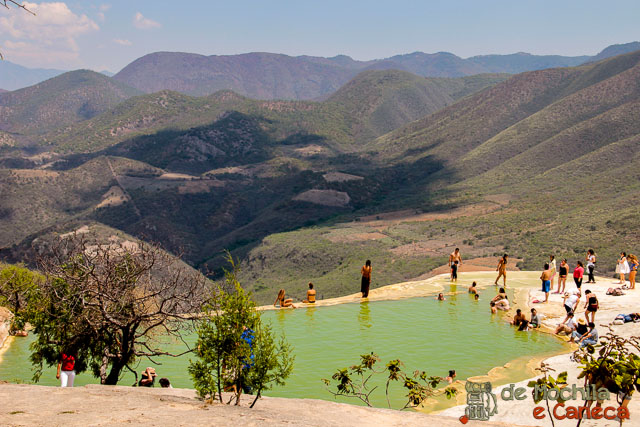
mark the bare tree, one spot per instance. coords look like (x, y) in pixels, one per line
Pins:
(113, 304)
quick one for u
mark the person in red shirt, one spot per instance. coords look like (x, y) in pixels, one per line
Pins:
(66, 370)
(578, 272)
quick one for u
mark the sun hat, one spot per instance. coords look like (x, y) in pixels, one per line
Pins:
(582, 321)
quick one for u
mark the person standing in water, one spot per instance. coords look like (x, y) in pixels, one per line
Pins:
(591, 265)
(455, 256)
(502, 270)
(473, 288)
(366, 279)
(454, 271)
(546, 282)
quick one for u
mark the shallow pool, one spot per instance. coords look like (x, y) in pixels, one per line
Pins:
(423, 333)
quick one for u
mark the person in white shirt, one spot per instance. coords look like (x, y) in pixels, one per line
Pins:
(571, 300)
(568, 326)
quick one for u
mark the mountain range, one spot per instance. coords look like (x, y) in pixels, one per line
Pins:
(391, 167)
(276, 76)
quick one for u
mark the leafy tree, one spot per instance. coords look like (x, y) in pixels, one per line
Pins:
(616, 366)
(354, 382)
(17, 288)
(111, 305)
(235, 350)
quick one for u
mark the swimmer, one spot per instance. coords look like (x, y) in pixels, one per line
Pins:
(502, 295)
(440, 297)
(473, 289)
(451, 378)
(494, 310)
(476, 297)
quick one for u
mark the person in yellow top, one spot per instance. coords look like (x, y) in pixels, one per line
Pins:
(311, 295)
(366, 279)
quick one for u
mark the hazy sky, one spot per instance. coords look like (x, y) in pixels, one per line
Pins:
(110, 34)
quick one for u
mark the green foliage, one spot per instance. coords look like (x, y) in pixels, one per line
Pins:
(615, 366)
(547, 382)
(354, 382)
(235, 350)
(110, 305)
(18, 291)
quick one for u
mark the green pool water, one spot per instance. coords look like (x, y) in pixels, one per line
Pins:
(423, 333)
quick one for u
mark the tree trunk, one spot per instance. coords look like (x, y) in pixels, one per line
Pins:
(114, 374)
(256, 399)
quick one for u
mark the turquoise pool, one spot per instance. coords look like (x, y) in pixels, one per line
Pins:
(423, 333)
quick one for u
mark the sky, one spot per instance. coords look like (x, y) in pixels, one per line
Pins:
(107, 35)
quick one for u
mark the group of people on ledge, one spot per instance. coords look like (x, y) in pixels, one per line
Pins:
(283, 302)
(66, 373)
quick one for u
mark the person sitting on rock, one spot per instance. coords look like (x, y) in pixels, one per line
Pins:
(148, 378)
(283, 300)
(311, 295)
(518, 318)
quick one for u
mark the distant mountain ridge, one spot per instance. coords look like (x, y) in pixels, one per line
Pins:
(14, 76)
(262, 75)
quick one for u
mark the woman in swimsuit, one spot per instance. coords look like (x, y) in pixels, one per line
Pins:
(283, 301)
(501, 301)
(562, 280)
(633, 266)
(591, 305)
(502, 270)
(623, 267)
